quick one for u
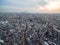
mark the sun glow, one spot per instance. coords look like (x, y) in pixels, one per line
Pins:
(52, 6)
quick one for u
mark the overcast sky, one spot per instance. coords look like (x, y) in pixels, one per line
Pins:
(30, 5)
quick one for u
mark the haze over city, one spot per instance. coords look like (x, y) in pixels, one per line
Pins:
(47, 6)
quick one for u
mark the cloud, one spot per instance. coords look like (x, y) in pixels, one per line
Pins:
(30, 5)
(51, 6)
(22, 3)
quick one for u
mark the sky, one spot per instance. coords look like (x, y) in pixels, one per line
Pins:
(47, 6)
